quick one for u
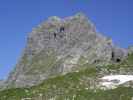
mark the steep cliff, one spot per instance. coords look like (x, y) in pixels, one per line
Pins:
(59, 46)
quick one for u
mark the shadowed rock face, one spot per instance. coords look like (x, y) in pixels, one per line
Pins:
(59, 46)
(118, 54)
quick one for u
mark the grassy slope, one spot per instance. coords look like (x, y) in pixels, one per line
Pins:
(72, 86)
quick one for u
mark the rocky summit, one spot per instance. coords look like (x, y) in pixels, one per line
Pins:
(58, 46)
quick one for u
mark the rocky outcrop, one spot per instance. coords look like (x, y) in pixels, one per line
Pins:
(59, 46)
(118, 54)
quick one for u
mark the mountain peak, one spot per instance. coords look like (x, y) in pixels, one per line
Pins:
(59, 46)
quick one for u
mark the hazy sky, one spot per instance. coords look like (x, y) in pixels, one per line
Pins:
(114, 18)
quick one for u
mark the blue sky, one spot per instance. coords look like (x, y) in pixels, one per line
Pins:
(114, 18)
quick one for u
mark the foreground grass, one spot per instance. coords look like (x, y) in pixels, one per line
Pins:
(72, 86)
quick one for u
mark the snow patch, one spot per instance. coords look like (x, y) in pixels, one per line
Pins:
(112, 81)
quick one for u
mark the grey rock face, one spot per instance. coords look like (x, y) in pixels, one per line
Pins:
(59, 46)
(118, 54)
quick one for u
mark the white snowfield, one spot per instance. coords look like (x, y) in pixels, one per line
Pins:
(112, 81)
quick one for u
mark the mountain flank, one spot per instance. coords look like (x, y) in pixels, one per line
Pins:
(67, 59)
(58, 46)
